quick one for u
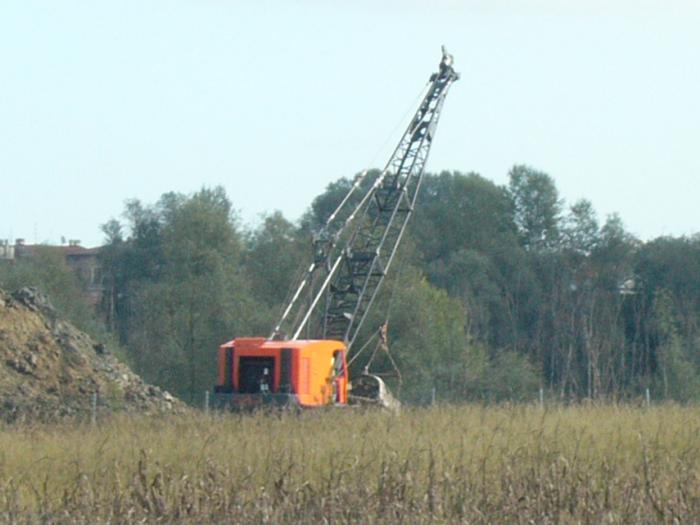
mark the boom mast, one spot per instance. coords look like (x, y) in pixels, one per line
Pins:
(352, 272)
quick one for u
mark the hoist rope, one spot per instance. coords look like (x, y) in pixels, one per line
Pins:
(401, 124)
(306, 277)
(383, 329)
(363, 174)
(357, 354)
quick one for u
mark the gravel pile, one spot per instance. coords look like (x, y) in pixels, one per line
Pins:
(50, 370)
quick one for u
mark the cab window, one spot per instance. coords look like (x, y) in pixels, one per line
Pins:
(339, 363)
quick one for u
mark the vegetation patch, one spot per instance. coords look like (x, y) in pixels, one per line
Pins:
(449, 464)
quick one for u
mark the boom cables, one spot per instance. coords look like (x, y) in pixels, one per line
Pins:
(355, 247)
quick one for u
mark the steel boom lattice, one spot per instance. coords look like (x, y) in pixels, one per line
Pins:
(353, 271)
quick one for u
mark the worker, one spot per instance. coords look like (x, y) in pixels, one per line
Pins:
(265, 381)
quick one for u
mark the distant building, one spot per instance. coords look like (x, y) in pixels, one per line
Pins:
(85, 262)
(7, 251)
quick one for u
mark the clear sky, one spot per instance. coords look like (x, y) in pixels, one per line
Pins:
(105, 101)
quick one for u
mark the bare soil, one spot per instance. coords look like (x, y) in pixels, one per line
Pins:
(50, 370)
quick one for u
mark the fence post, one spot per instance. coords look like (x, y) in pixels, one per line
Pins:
(648, 396)
(93, 411)
(541, 397)
(206, 401)
(433, 396)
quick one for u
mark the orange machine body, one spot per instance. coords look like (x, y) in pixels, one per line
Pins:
(255, 372)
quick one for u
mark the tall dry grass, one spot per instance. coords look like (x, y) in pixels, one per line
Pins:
(466, 464)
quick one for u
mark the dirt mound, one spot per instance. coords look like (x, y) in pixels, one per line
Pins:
(50, 370)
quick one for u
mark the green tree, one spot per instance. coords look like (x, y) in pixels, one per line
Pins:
(181, 286)
(427, 338)
(275, 252)
(580, 231)
(537, 207)
(457, 211)
(48, 272)
(678, 376)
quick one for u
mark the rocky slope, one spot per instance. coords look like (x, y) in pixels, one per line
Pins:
(49, 370)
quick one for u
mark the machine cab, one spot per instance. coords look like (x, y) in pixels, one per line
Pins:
(255, 372)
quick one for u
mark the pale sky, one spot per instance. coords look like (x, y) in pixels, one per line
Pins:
(105, 101)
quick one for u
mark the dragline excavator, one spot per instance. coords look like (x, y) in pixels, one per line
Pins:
(304, 361)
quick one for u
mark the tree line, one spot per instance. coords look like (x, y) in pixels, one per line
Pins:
(497, 291)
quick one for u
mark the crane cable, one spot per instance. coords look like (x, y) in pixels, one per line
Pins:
(382, 333)
(401, 123)
(382, 326)
(359, 179)
(383, 342)
(383, 329)
(307, 276)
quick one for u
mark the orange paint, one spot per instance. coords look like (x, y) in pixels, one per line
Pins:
(310, 372)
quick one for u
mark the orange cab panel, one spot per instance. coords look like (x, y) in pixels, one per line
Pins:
(255, 372)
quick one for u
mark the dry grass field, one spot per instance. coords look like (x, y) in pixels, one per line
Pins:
(469, 464)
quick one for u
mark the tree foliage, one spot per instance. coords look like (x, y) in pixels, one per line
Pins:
(180, 286)
(497, 291)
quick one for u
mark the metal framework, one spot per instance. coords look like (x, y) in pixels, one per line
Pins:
(351, 260)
